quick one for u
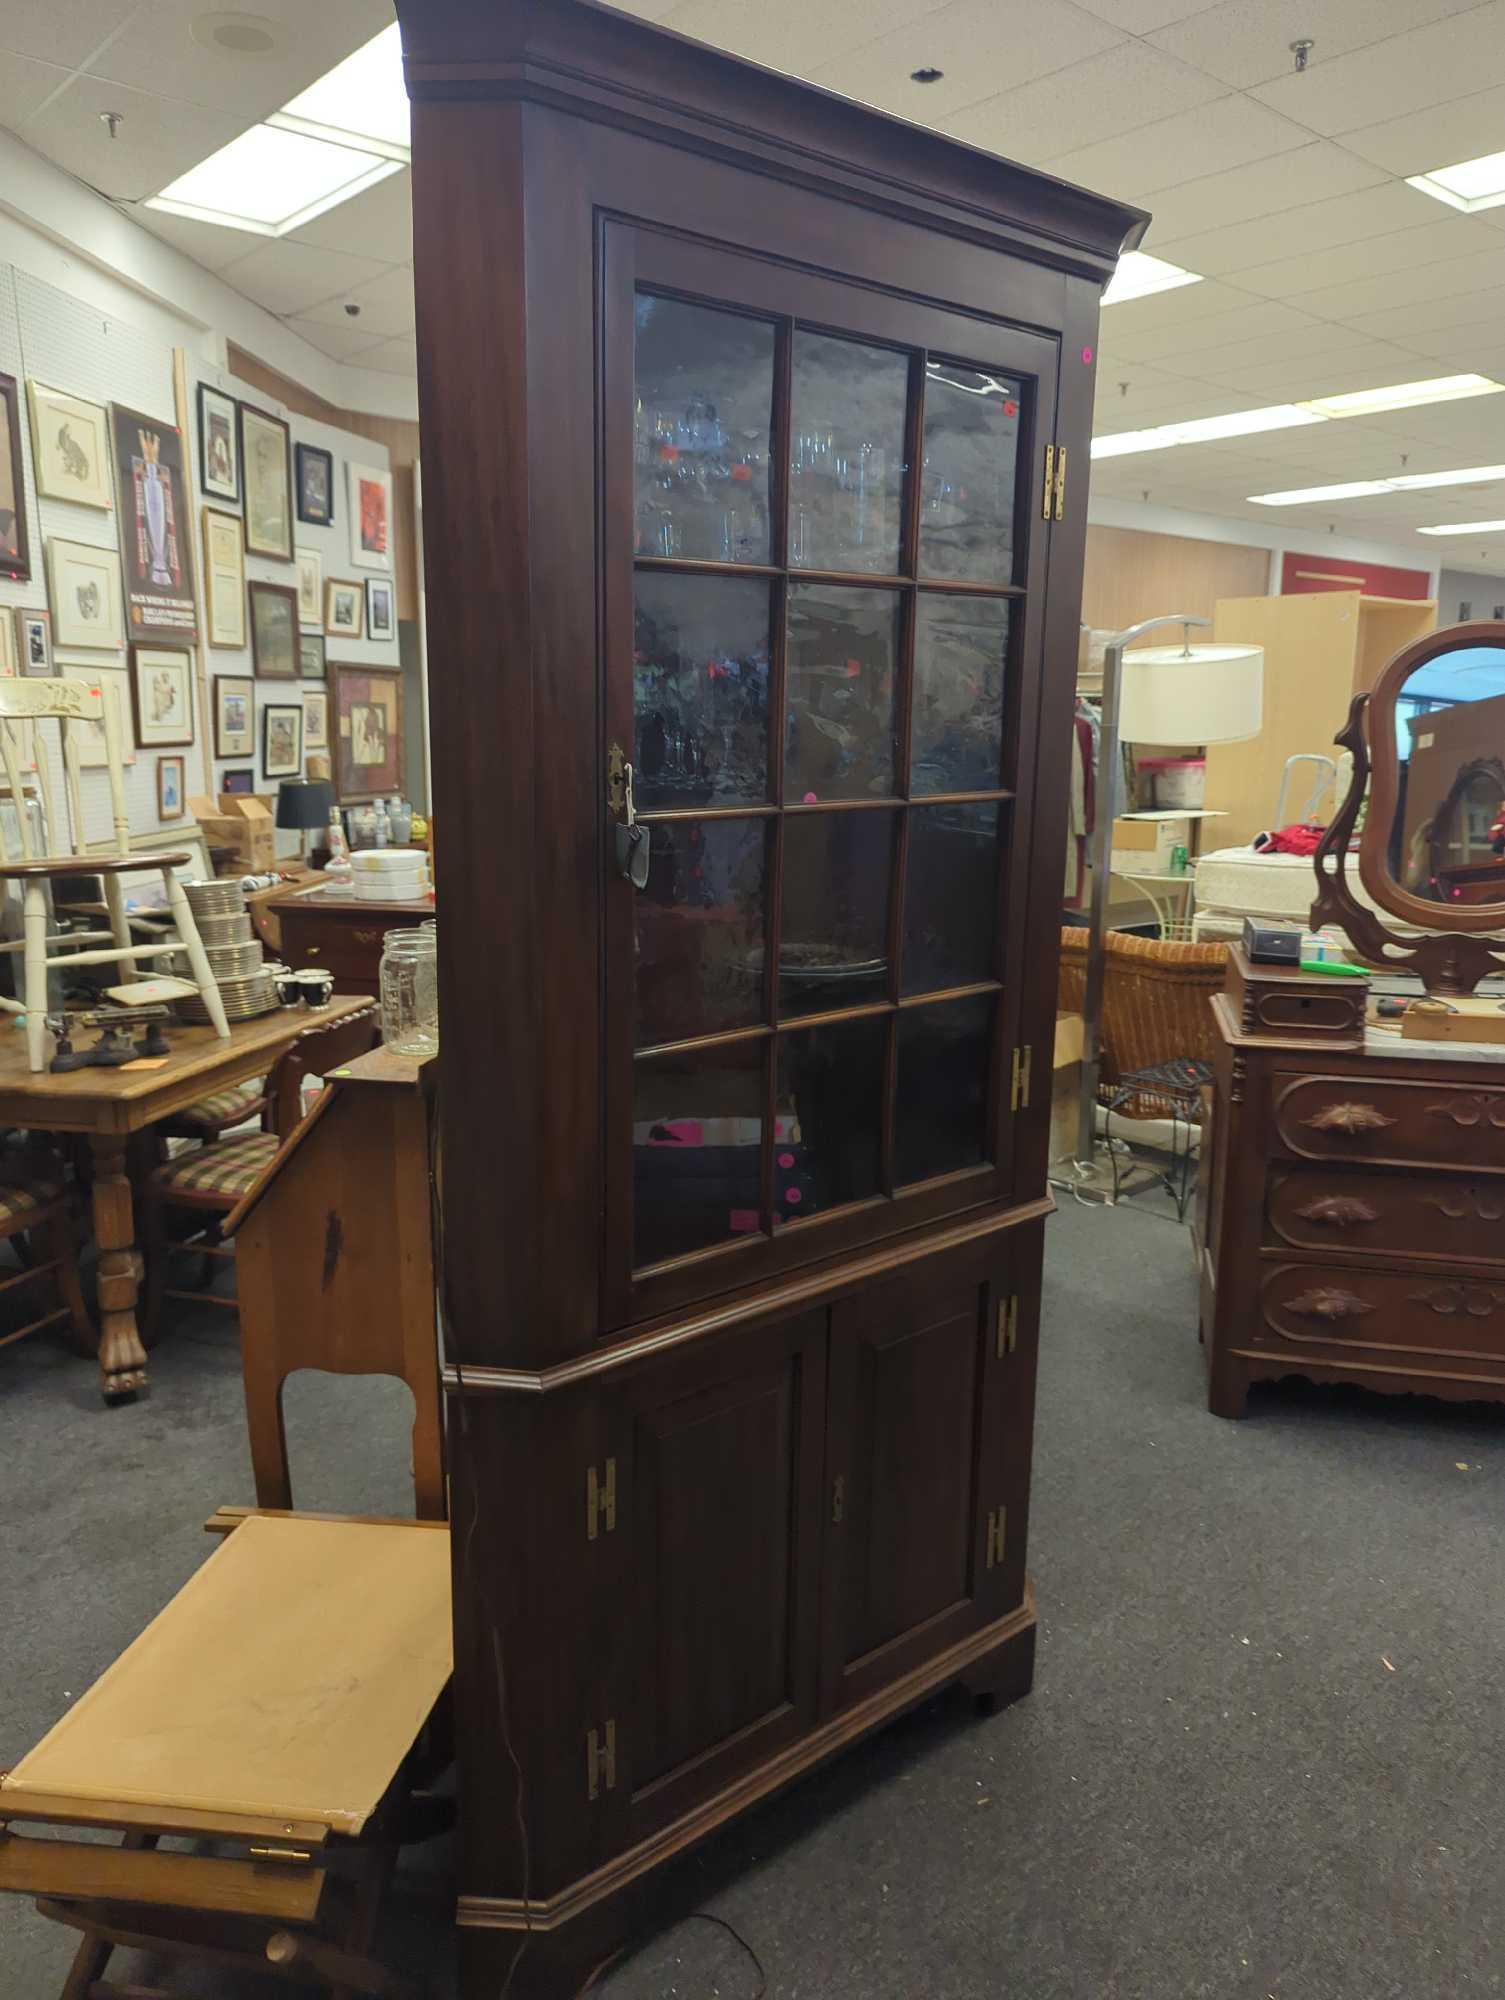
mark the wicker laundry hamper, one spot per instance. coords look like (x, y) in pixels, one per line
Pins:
(1157, 995)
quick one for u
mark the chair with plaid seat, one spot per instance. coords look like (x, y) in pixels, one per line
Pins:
(40, 1210)
(208, 1183)
(221, 1112)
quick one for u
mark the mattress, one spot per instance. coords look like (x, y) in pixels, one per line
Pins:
(1241, 883)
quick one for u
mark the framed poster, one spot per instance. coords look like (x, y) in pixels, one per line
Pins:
(274, 631)
(224, 579)
(311, 656)
(84, 585)
(367, 741)
(219, 444)
(238, 781)
(311, 588)
(162, 691)
(344, 609)
(15, 556)
(170, 787)
(370, 517)
(381, 620)
(316, 719)
(33, 641)
(10, 667)
(264, 470)
(159, 600)
(282, 740)
(315, 484)
(234, 715)
(70, 447)
(92, 753)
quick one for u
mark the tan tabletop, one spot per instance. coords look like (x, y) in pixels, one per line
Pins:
(284, 1684)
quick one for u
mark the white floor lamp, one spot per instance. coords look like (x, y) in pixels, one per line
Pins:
(1160, 694)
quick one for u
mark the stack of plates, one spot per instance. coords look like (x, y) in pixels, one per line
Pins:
(244, 998)
(390, 875)
(215, 899)
(226, 930)
(233, 951)
(234, 961)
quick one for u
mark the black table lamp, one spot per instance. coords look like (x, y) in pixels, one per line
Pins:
(304, 803)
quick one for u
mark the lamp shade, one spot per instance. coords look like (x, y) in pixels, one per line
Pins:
(303, 803)
(1192, 694)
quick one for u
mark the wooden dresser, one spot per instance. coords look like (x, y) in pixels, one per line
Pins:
(1351, 1229)
(342, 933)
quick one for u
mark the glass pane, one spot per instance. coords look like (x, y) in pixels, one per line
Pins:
(846, 455)
(833, 949)
(967, 493)
(827, 1132)
(950, 897)
(697, 1133)
(842, 649)
(700, 691)
(700, 929)
(940, 1113)
(702, 432)
(956, 741)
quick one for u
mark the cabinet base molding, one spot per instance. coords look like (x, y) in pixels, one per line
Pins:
(996, 1662)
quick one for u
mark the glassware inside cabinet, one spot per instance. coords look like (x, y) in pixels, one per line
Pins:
(970, 453)
(846, 455)
(700, 690)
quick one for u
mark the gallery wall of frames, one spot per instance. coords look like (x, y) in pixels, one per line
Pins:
(259, 536)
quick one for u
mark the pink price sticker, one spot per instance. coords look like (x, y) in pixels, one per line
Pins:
(1086, 357)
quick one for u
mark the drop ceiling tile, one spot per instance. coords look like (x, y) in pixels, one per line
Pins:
(1229, 132)
(1474, 273)
(159, 138)
(290, 277)
(1140, 17)
(1410, 317)
(1173, 308)
(62, 31)
(1245, 42)
(1429, 64)
(25, 87)
(982, 47)
(1257, 317)
(205, 242)
(393, 357)
(386, 305)
(1095, 99)
(378, 223)
(1403, 251)
(1317, 225)
(1439, 135)
(1266, 187)
(340, 343)
(792, 35)
(157, 51)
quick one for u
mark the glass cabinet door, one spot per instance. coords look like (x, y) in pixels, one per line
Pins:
(833, 602)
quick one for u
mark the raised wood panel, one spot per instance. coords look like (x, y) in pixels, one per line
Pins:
(1131, 574)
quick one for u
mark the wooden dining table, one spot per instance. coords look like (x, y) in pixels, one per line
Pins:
(109, 1106)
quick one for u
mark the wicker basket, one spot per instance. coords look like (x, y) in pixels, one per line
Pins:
(1157, 996)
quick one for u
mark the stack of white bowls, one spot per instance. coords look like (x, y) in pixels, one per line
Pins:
(390, 874)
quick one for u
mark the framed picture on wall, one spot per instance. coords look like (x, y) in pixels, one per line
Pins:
(10, 662)
(219, 444)
(274, 631)
(370, 517)
(224, 579)
(33, 641)
(315, 485)
(316, 719)
(154, 521)
(311, 656)
(162, 692)
(91, 735)
(234, 715)
(70, 447)
(381, 621)
(264, 463)
(367, 741)
(238, 781)
(84, 585)
(15, 556)
(311, 588)
(282, 740)
(169, 788)
(344, 609)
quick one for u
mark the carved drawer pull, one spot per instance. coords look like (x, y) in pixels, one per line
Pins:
(1473, 1110)
(368, 937)
(1351, 1118)
(1341, 1210)
(1327, 1302)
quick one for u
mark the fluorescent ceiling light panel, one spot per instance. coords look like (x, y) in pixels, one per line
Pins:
(1404, 396)
(1466, 528)
(269, 182)
(1139, 276)
(1205, 430)
(362, 98)
(1470, 185)
(1356, 489)
(1409, 482)
(1464, 475)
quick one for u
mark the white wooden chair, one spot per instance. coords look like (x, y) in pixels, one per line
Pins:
(23, 705)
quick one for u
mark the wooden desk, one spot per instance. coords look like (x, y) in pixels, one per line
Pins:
(342, 932)
(107, 1106)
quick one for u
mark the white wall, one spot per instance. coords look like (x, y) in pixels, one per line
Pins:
(1478, 589)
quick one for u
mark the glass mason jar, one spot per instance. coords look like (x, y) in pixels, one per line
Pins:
(410, 993)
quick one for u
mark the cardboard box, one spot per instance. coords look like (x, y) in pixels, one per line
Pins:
(1475, 1020)
(1066, 1085)
(243, 822)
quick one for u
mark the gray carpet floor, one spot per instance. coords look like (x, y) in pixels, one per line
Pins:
(1262, 1756)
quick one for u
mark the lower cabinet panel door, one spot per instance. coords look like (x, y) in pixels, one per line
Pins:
(719, 1490)
(908, 1427)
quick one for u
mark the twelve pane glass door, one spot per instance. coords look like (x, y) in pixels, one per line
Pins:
(831, 604)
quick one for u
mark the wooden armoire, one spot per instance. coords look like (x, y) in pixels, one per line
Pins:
(755, 447)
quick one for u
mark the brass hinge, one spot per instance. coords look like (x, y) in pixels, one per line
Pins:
(839, 1499)
(600, 1499)
(998, 1522)
(1008, 1324)
(288, 1854)
(1061, 483)
(616, 780)
(1019, 1088)
(1050, 472)
(600, 1761)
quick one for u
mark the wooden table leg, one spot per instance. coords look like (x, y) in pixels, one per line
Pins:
(122, 1358)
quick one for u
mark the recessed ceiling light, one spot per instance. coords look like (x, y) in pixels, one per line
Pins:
(1466, 528)
(1463, 475)
(1285, 416)
(1355, 489)
(1470, 185)
(1139, 275)
(241, 34)
(926, 75)
(269, 182)
(363, 97)
(1404, 396)
(1411, 482)
(1205, 430)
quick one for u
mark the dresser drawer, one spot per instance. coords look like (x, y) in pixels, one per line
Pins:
(304, 938)
(1398, 1122)
(1388, 1214)
(1308, 1306)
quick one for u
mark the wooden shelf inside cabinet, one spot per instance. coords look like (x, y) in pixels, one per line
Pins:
(765, 419)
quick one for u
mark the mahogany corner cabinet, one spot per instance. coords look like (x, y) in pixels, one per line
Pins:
(755, 443)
